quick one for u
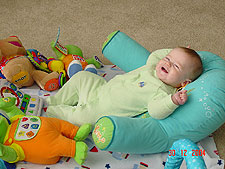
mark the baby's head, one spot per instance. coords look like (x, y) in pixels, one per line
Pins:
(180, 67)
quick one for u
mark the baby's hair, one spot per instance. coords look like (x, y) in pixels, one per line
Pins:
(197, 66)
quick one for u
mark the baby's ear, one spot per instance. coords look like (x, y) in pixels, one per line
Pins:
(186, 82)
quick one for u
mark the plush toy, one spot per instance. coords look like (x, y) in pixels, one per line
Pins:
(28, 104)
(185, 149)
(49, 64)
(57, 66)
(73, 60)
(40, 140)
(18, 69)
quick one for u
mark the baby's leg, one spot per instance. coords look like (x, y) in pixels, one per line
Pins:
(80, 114)
(77, 115)
(87, 88)
(78, 88)
(68, 94)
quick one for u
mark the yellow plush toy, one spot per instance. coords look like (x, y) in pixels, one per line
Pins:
(18, 69)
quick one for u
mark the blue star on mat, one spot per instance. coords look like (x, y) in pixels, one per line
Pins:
(219, 162)
(107, 166)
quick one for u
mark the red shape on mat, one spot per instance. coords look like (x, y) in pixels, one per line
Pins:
(47, 95)
(143, 164)
(45, 109)
(216, 152)
(94, 149)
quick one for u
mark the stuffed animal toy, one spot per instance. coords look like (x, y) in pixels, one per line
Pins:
(18, 69)
(40, 140)
(49, 64)
(73, 60)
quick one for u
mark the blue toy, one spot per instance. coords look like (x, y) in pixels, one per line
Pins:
(6, 165)
(1, 75)
(185, 150)
(203, 113)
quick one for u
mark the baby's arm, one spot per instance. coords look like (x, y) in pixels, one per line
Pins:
(161, 106)
(179, 98)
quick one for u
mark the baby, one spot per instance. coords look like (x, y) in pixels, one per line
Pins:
(152, 87)
(180, 67)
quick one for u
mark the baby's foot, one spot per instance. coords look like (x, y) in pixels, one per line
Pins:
(83, 132)
(91, 68)
(81, 152)
(74, 67)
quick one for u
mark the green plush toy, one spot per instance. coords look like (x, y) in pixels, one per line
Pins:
(40, 140)
(71, 53)
(74, 50)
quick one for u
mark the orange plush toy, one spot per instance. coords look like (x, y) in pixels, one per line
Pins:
(18, 69)
(41, 140)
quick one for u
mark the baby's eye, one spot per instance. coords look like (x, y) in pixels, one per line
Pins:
(176, 66)
(166, 58)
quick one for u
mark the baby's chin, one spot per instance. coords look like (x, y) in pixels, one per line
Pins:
(161, 75)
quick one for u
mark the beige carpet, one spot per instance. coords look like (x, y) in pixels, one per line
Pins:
(86, 23)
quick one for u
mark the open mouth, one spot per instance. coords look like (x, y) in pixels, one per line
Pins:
(164, 70)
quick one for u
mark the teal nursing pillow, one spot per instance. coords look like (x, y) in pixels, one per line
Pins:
(124, 52)
(203, 113)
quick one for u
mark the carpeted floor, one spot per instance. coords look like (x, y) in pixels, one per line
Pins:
(154, 24)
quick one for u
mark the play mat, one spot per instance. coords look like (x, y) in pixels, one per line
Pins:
(98, 159)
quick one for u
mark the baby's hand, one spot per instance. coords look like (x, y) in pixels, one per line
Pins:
(180, 97)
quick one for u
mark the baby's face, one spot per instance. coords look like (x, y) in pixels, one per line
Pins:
(174, 69)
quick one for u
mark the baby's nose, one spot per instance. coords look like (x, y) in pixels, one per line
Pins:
(168, 63)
